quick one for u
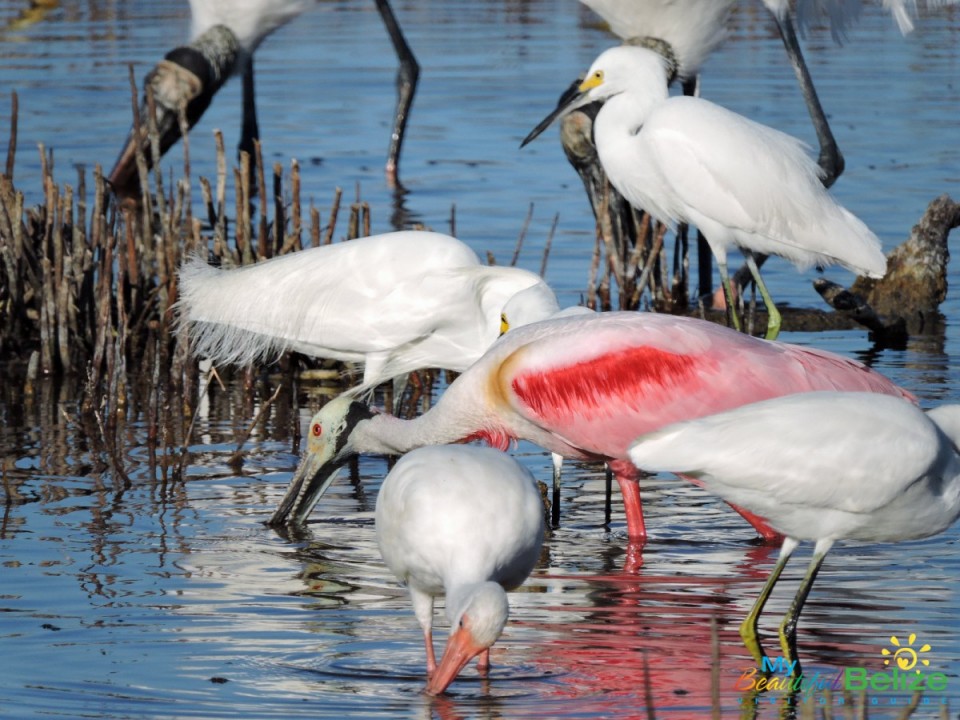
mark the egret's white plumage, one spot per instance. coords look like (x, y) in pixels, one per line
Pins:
(820, 466)
(692, 28)
(396, 302)
(685, 159)
(465, 522)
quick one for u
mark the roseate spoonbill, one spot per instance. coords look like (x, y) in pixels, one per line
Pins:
(396, 302)
(226, 33)
(820, 466)
(685, 159)
(583, 387)
(465, 522)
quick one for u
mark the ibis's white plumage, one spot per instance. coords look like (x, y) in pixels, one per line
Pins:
(465, 522)
(821, 466)
(396, 302)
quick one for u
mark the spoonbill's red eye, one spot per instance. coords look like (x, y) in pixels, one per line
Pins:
(316, 430)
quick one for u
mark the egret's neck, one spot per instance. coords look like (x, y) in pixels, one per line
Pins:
(623, 154)
(623, 115)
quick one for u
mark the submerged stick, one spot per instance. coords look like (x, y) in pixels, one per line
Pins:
(12, 142)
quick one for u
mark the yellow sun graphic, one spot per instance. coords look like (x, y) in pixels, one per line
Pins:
(905, 656)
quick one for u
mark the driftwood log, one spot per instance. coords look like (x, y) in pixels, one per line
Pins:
(907, 299)
(905, 302)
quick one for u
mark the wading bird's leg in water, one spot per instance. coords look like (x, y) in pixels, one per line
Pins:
(748, 628)
(628, 478)
(407, 76)
(250, 129)
(766, 532)
(788, 628)
(431, 657)
(729, 297)
(830, 160)
(483, 661)
(555, 500)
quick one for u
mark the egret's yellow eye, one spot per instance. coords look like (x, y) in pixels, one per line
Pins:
(504, 323)
(595, 79)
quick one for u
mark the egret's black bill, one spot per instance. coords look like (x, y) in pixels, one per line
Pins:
(568, 100)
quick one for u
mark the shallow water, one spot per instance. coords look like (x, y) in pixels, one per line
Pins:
(172, 599)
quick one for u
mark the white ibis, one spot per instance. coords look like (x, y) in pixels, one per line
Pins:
(465, 522)
(821, 466)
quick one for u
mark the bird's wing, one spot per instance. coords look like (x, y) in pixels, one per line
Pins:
(853, 452)
(693, 28)
(336, 301)
(599, 381)
(745, 183)
(733, 170)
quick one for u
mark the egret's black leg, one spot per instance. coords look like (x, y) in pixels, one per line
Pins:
(830, 160)
(250, 130)
(407, 76)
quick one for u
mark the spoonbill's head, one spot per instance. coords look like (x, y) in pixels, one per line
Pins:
(479, 614)
(328, 449)
(615, 71)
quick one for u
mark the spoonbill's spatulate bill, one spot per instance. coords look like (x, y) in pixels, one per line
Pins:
(821, 466)
(396, 302)
(583, 387)
(226, 33)
(465, 522)
(745, 185)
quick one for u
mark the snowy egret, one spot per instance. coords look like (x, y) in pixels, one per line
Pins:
(690, 30)
(396, 302)
(687, 32)
(226, 33)
(465, 522)
(583, 387)
(821, 466)
(685, 159)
